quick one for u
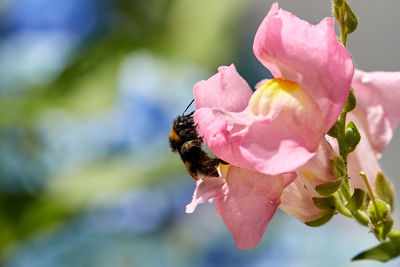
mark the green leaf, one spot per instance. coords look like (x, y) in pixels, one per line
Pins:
(322, 220)
(338, 167)
(333, 131)
(357, 200)
(351, 20)
(384, 189)
(324, 203)
(383, 252)
(351, 101)
(328, 188)
(352, 137)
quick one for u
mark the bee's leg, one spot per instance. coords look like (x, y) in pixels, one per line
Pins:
(209, 167)
(189, 145)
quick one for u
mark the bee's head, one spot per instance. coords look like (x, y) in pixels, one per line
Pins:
(183, 130)
(183, 123)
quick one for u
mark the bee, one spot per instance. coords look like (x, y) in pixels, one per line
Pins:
(185, 140)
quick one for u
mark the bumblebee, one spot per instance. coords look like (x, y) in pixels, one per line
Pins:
(185, 140)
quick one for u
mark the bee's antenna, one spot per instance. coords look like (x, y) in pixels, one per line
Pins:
(191, 102)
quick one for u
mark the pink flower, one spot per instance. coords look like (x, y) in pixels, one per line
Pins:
(269, 134)
(376, 116)
(277, 128)
(378, 102)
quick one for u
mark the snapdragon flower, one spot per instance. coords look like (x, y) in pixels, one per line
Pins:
(266, 136)
(377, 115)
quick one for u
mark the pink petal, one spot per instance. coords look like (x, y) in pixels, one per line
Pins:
(309, 55)
(297, 201)
(225, 90)
(249, 202)
(276, 147)
(205, 189)
(318, 170)
(378, 101)
(278, 143)
(297, 197)
(260, 83)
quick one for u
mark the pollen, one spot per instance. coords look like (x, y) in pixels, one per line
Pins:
(223, 168)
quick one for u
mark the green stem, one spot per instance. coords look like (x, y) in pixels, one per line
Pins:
(370, 193)
(343, 31)
(345, 191)
(345, 187)
(394, 234)
(341, 136)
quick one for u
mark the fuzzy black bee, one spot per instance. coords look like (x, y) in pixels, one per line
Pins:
(185, 140)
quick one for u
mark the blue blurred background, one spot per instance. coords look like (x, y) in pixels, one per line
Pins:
(88, 91)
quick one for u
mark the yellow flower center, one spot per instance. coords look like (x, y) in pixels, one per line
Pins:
(279, 94)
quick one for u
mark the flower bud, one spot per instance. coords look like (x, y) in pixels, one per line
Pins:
(352, 137)
(351, 101)
(381, 221)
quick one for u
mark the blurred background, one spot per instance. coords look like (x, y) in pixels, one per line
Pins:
(88, 91)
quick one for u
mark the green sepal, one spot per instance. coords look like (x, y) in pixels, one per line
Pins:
(328, 188)
(324, 203)
(322, 220)
(352, 137)
(333, 131)
(338, 167)
(383, 252)
(387, 225)
(384, 189)
(351, 20)
(351, 101)
(381, 220)
(357, 200)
